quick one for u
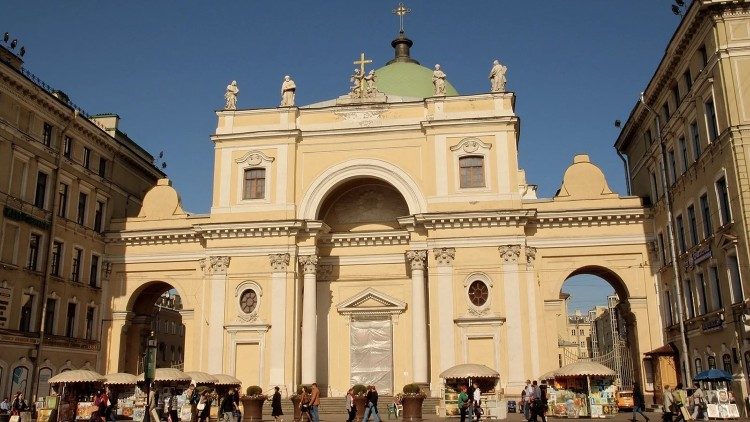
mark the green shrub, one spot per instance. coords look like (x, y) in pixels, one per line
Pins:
(254, 390)
(412, 389)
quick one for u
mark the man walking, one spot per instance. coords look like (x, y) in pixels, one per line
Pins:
(477, 399)
(314, 402)
(372, 405)
(639, 402)
(528, 395)
(667, 404)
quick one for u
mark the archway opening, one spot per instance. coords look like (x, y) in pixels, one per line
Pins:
(154, 308)
(363, 204)
(596, 323)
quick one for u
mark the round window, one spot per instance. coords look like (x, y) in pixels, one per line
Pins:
(248, 301)
(478, 293)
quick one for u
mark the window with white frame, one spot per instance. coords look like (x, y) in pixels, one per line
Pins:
(57, 251)
(702, 297)
(712, 126)
(90, 322)
(713, 275)
(254, 183)
(680, 234)
(684, 156)
(722, 193)
(62, 201)
(689, 303)
(692, 225)
(672, 166)
(40, 194)
(49, 315)
(75, 270)
(471, 171)
(27, 312)
(696, 137)
(70, 319)
(708, 229)
(10, 243)
(735, 281)
(35, 247)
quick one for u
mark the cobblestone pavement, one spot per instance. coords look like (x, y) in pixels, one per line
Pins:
(512, 417)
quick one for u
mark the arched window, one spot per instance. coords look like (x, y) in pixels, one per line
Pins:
(698, 365)
(20, 380)
(43, 388)
(255, 184)
(471, 171)
(726, 361)
(711, 362)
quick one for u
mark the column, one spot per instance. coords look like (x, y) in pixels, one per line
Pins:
(531, 289)
(444, 258)
(309, 318)
(420, 355)
(215, 269)
(279, 264)
(512, 294)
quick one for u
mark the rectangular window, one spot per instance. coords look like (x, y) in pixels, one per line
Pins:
(86, 157)
(682, 144)
(102, 167)
(62, 203)
(668, 297)
(665, 111)
(713, 129)
(70, 320)
(94, 273)
(733, 269)
(687, 78)
(75, 273)
(689, 303)
(693, 224)
(81, 216)
(32, 260)
(702, 293)
(647, 138)
(67, 146)
(10, 243)
(706, 215)
(255, 184)
(56, 257)
(49, 316)
(90, 323)
(725, 212)
(672, 165)
(27, 305)
(47, 134)
(471, 172)
(98, 216)
(662, 249)
(704, 56)
(713, 274)
(681, 234)
(696, 136)
(40, 195)
(654, 188)
(676, 95)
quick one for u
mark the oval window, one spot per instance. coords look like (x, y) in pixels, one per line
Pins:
(248, 301)
(478, 293)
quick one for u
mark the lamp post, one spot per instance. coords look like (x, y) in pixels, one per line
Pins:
(149, 371)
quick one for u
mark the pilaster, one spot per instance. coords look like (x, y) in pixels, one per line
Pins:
(309, 318)
(509, 255)
(215, 271)
(279, 264)
(444, 258)
(420, 352)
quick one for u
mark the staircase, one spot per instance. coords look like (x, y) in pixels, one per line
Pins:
(337, 406)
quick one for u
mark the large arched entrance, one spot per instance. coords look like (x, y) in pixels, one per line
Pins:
(155, 307)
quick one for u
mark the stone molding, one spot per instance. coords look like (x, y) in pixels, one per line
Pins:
(279, 261)
(309, 263)
(530, 256)
(510, 253)
(417, 259)
(470, 145)
(215, 265)
(444, 256)
(254, 158)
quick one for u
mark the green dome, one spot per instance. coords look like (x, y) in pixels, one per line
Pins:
(408, 80)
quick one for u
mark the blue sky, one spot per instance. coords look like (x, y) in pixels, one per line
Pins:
(575, 66)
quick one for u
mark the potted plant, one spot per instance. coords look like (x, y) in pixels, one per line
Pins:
(360, 400)
(252, 404)
(296, 398)
(412, 399)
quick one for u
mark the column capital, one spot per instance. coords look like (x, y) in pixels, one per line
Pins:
(417, 259)
(444, 256)
(279, 261)
(530, 256)
(215, 265)
(510, 253)
(309, 263)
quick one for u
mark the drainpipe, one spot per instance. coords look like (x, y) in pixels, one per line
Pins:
(627, 171)
(672, 248)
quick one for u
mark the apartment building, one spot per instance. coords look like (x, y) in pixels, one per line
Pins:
(63, 176)
(687, 145)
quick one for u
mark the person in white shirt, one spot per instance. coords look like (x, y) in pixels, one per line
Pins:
(477, 399)
(527, 398)
(4, 407)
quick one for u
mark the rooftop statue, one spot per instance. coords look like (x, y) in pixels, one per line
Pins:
(231, 96)
(438, 80)
(497, 77)
(371, 80)
(357, 81)
(288, 89)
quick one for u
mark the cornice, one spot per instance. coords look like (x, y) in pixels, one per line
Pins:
(547, 219)
(366, 238)
(153, 237)
(240, 230)
(470, 219)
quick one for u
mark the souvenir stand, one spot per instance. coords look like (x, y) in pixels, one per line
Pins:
(583, 389)
(487, 379)
(125, 394)
(201, 381)
(75, 396)
(720, 401)
(166, 379)
(222, 385)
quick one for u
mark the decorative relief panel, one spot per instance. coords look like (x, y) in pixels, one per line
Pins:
(471, 145)
(254, 158)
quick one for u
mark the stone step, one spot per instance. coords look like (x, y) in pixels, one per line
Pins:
(337, 405)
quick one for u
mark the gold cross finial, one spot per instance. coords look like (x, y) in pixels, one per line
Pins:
(401, 10)
(362, 62)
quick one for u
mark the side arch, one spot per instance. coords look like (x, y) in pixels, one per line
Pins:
(361, 167)
(606, 274)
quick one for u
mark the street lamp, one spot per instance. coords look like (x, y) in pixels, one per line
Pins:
(149, 372)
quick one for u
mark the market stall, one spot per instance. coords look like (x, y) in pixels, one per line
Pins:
(74, 399)
(167, 381)
(124, 394)
(720, 401)
(583, 389)
(468, 373)
(201, 381)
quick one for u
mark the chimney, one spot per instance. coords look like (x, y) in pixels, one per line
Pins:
(108, 122)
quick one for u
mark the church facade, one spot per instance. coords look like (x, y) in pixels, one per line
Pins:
(377, 240)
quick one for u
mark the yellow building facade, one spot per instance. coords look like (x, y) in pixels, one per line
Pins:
(378, 240)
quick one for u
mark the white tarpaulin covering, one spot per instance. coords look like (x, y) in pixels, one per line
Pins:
(371, 353)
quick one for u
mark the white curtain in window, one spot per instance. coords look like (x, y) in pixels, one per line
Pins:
(372, 353)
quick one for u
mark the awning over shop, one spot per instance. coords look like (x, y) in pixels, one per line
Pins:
(469, 370)
(76, 376)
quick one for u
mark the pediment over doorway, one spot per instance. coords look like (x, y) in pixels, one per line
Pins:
(371, 302)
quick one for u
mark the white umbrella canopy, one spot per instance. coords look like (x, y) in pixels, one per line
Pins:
(76, 376)
(548, 375)
(120, 378)
(224, 379)
(169, 374)
(469, 370)
(584, 368)
(199, 377)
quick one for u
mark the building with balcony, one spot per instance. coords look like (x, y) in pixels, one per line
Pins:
(63, 176)
(686, 145)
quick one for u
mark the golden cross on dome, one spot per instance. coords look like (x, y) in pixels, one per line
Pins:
(362, 62)
(401, 10)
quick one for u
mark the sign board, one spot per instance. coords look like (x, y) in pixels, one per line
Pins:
(701, 254)
(5, 295)
(714, 323)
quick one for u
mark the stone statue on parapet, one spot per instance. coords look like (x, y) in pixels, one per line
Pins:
(497, 77)
(357, 87)
(438, 80)
(288, 89)
(231, 96)
(372, 89)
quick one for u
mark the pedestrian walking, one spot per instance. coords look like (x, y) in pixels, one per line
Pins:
(477, 399)
(372, 405)
(667, 404)
(463, 403)
(639, 402)
(203, 407)
(351, 407)
(227, 406)
(276, 405)
(314, 402)
(680, 399)
(527, 395)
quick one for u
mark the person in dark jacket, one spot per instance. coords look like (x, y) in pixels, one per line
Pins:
(372, 405)
(204, 407)
(227, 407)
(276, 405)
(639, 402)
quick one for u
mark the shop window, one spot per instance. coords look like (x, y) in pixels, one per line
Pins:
(726, 361)
(698, 365)
(711, 362)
